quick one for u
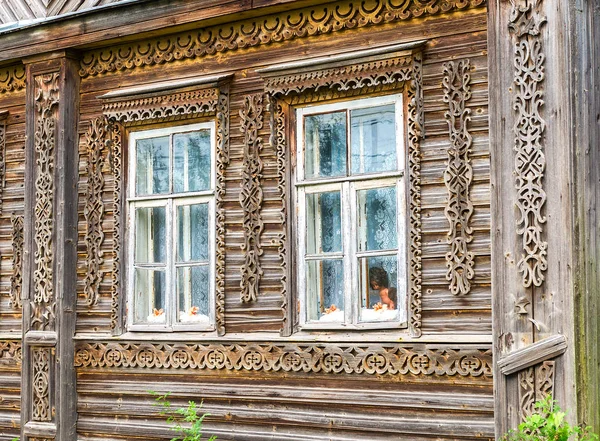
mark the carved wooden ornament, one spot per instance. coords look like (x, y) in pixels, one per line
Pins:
(535, 384)
(12, 78)
(16, 278)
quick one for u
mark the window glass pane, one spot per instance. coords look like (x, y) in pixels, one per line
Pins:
(378, 281)
(323, 222)
(325, 145)
(377, 219)
(152, 166)
(191, 161)
(325, 290)
(373, 139)
(193, 293)
(149, 296)
(150, 235)
(192, 232)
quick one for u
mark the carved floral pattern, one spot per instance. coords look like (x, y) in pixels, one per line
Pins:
(289, 357)
(46, 103)
(251, 196)
(94, 209)
(458, 176)
(535, 384)
(10, 353)
(288, 25)
(525, 24)
(12, 78)
(16, 278)
(41, 410)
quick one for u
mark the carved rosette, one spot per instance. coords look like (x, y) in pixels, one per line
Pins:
(46, 106)
(420, 360)
(251, 196)
(458, 176)
(93, 212)
(40, 367)
(535, 384)
(12, 78)
(221, 165)
(16, 278)
(288, 25)
(526, 20)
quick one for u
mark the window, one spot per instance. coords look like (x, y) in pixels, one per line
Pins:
(350, 194)
(171, 226)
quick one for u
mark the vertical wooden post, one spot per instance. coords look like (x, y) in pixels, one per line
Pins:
(48, 409)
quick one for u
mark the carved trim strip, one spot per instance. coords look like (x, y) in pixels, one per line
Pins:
(46, 101)
(458, 176)
(12, 78)
(289, 357)
(10, 353)
(222, 162)
(16, 278)
(414, 178)
(2, 159)
(93, 211)
(284, 26)
(115, 132)
(164, 107)
(40, 367)
(525, 24)
(535, 384)
(251, 196)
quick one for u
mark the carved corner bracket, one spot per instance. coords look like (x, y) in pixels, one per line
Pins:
(358, 73)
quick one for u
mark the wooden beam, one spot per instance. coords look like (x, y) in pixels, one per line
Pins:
(538, 352)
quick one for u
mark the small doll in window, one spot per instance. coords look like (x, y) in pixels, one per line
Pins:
(379, 281)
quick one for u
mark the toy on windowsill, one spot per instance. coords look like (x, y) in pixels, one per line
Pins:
(157, 316)
(193, 315)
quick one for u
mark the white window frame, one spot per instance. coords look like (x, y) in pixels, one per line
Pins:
(348, 187)
(171, 201)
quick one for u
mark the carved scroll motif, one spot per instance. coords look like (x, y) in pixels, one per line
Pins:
(288, 25)
(420, 360)
(115, 131)
(10, 353)
(12, 78)
(94, 208)
(222, 162)
(46, 102)
(16, 278)
(251, 196)
(458, 176)
(415, 128)
(535, 384)
(525, 24)
(41, 409)
(2, 159)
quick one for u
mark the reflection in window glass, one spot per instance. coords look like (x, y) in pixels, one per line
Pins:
(192, 232)
(377, 219)
(193, 285)
(373, 136)
(324, 222)
(325, 289)
(150, 238)
(191, 161)
(149, 296)
(378, 281)
(325, 145)
(152, 166)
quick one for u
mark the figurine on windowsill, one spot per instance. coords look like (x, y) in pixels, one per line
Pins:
(157, 316)
(193, 315)
(379, 281)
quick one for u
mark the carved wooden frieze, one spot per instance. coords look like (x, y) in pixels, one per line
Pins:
(164, 107)
(10, 353)
(373, 359)
(40, 368)
(535, 384)
(526, 21)
(458, 176)
(12, 78)
(95, 139)
(16, 278)
(251, 196)
(46, 105)
(288, 25)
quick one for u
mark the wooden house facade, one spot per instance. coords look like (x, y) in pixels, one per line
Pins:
(327, 220)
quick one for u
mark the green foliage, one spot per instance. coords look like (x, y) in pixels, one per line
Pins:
(185, 421)
(548, 424)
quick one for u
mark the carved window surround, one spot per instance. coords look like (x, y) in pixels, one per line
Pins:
(375, 71)
(157, 103)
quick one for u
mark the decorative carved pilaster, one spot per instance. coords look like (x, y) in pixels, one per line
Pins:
(115, 132)
(221, 165)
(526, 20)
(93, 212)
(16, 278)
(415, 131)
(40, 368)
(458, 176)
(46, 104)
(251, 196)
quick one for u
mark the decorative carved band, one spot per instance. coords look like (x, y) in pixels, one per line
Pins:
(165, 107)
(525, 24)
(12, 78)
(10, 353)
(535, 384)
(93, 212)
(288, 25)
(115, 136)
(46, 102)
(16, 279)
(458, 176)
(2, 155)
(289, 357)
(40, 368)
(251, 196)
